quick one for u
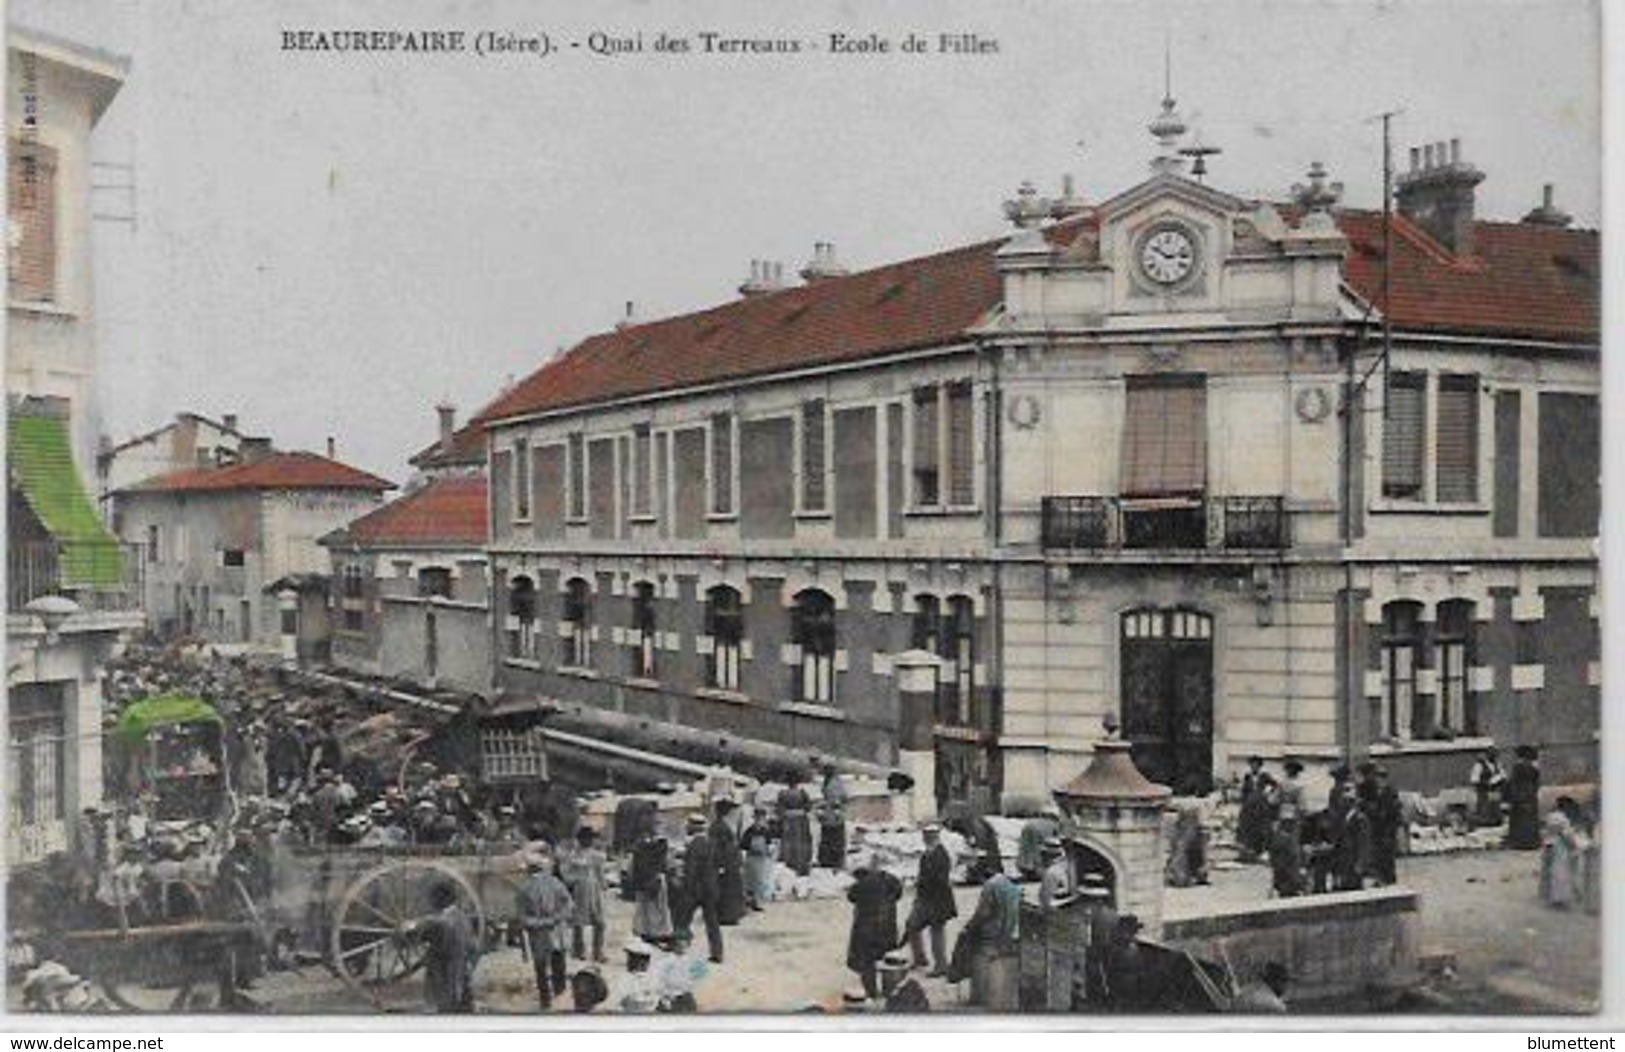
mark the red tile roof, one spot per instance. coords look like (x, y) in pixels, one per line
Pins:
(467, 447)
(450, 511)
(1524, 281)
(917, 303)
(296, 470)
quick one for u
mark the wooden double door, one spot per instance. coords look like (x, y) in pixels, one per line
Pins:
(1167, 695)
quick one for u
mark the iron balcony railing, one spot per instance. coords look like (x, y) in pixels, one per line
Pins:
(35, 569)
(1088, 523)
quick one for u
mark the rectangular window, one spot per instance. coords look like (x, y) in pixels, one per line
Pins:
(1568, 488)
(232, 557)
(521, 480)
(578, 476)
(1401, 645)
(1165, 436)
(434, 581)
(722, 464)
(547, 491)
(601, 487)
(813, 628)
(1404, 431)
(927, 452)
(961, 445)
(522, 614)
(1454, 644)
(31, 212)
(1456, 475)
(814, 482)
(37, 735)
(153, 552)
(501, 492)
(641, 469)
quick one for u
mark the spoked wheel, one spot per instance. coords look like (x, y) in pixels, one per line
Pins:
(376, 943)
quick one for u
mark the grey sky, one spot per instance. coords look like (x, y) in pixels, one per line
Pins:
(329, 244)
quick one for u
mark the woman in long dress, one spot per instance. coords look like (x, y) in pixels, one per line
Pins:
(583, 873)
(1560, 858)
(1522, 795)
(795, 848)
(758, 847)
(651, 916)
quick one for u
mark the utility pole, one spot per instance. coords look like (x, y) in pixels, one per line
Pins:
(1354, 417)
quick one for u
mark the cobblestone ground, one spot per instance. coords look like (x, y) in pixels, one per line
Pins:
(1511, 954)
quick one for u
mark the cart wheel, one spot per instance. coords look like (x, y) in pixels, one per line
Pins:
(374, 940)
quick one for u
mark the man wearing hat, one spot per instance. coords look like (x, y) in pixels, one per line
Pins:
(1523, 801)
(730, 865)
(934, 903)
(546, 911)
(1387, 821)
(701, 880)
(1096, 894)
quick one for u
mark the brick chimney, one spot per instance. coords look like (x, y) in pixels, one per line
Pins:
(823, 264)
(255, 449)
(448, 424)
(1548, 214)
(1436, 193)
(765, 276)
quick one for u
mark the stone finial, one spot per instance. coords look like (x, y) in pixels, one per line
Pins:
(1027, 210)
(1319, 195)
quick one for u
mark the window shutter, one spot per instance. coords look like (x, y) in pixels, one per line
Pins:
(640, 461)
(961, 446)
(927, 484)
(722, 464)
(1457, 472)
(1402, 435)
(578, 476)
(812, 456)
(1165, 437)
(31, 213)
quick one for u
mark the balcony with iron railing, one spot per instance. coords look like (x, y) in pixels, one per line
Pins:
(35, 569)
(1225, 524)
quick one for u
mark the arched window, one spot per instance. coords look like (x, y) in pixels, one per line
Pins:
(576, 629)
(813, 629)
(1454, 655)
(522, 618)
(1401, 653)
(927, 633)
(644, 645)
(725, 624)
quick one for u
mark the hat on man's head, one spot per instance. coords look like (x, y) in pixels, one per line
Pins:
(636, 947)
(695, 821)
(1292, 767)
(931, 829)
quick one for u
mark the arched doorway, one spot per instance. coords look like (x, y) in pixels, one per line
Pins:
(1167, 695)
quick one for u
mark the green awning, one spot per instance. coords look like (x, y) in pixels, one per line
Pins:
(41, 465)
(135, 722)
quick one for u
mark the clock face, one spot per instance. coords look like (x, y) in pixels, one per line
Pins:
(1168, 256)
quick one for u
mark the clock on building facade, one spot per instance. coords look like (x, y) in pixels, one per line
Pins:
(1168, 255)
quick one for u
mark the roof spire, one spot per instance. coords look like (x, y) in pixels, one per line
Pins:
(1168, 125)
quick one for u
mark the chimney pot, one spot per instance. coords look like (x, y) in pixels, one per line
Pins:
(332, 448)
(448, 424)
(1416, 157)
(1455, 151)
(1547, 195)
(229, 420)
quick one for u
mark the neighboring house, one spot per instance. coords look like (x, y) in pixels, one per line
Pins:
(215, 537)
(458, 451)
(190, 440)
(71, 593)
(410, 594)
(1100, 470)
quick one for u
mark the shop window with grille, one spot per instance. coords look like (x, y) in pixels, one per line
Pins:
(37, 726)
(725, 624)
(1404, 436)
(576, 629)
(645, 639)
(813, 629)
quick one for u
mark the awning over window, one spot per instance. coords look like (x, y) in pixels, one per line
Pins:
(1165, 437)
(40, 466)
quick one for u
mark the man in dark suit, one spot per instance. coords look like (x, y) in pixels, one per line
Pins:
(703, 886)
(933, 903)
